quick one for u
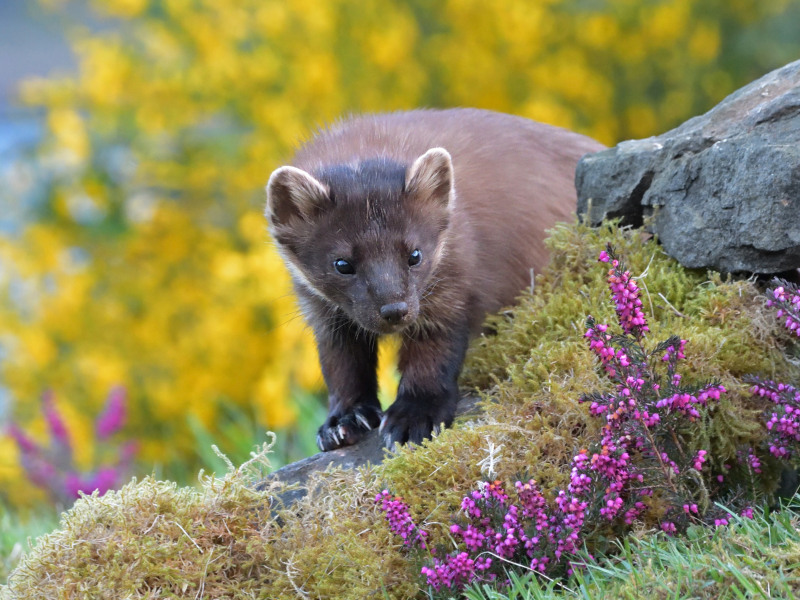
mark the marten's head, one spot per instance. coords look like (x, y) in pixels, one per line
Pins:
(366, 237)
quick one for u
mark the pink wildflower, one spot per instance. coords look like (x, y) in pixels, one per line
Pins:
(57, 427)
(113, 416)
(24, 443)
(400, 521)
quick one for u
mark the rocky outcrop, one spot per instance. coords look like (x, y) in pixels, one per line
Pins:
(723, 188)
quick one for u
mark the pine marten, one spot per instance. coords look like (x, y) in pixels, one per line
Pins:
(419, 224)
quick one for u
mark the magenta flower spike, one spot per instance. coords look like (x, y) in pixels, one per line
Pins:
(399, 519)
(58, 429)
(625, 294)
(25, 444)
(113, 416)
(781, 420)
(104, 480)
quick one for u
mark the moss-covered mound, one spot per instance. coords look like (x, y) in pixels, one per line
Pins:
(226, 540)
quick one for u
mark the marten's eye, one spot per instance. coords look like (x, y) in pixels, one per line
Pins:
(414, 258)
(344, 267)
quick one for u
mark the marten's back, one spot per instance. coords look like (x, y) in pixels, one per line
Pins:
(514, 178)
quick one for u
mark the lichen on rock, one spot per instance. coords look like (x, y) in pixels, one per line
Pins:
(226, 539)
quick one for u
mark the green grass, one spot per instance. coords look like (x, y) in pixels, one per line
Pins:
(238, 433)
(751, 558)
(15, 532)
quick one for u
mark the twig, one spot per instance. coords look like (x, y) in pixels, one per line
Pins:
(677, 443)
(644, 273)
(291, 572)
(675, 310)
(650, 300)
(202, 589)
(153, 525)
(511, 562)
(188, 536)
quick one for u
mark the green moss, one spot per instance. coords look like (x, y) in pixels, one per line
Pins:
(223, 541)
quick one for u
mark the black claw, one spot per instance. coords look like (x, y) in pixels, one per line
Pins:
(412, 422)
(348, 427)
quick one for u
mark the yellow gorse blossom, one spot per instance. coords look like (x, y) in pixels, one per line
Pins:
(150, 265)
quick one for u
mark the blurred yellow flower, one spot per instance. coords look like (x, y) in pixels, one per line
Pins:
(69, 132)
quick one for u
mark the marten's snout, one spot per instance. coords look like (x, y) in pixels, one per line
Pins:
(394, 313)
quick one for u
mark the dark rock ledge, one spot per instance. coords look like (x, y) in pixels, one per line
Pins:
(368, 451)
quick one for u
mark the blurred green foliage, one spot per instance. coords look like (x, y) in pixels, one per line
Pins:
(17, 529)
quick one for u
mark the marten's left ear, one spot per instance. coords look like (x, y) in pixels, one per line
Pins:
(430, 178)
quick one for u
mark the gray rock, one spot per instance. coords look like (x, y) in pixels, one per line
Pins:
(723, 188)
(368, 451)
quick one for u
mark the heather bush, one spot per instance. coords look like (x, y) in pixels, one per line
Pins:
(783, 419)
(750, 558)
(639, 461)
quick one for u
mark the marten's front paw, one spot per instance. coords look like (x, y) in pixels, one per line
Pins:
(413, 421)
(348, 427)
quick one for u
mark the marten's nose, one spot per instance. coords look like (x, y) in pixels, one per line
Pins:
(394, 313)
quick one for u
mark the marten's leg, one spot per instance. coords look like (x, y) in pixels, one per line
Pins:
(430, 363)
(349, 358)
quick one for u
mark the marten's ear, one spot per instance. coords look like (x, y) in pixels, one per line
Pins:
(430, 178)
(294, 194)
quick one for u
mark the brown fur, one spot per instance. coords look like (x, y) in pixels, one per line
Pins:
(368, 190)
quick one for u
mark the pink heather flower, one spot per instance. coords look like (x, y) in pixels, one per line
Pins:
(25, 444)
(720, 522)
(699, 460)
(469, 506)
(38, 470)
(399, 519)
(496, 491)
(753, 462)
(603, 257)
(73, 485)
(668, 528)
(454, 572)
(104, 480)
(783, 424)
(625, 294)
(747, 512)
(113, 416)
(788, 300)
(51, 468)
(57, 427)
(472, 537)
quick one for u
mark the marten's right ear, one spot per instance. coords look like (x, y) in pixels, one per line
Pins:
(294, 194)
(430, 178)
